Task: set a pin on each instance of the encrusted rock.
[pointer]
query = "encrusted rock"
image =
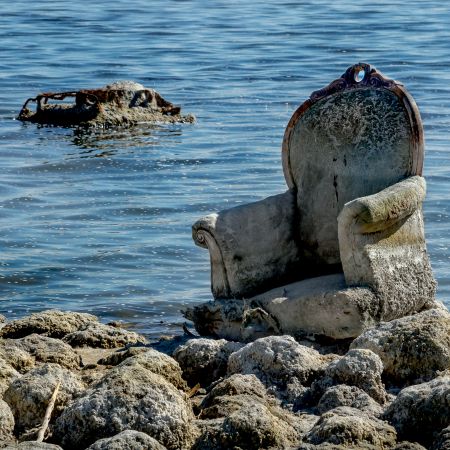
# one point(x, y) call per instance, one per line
point(238, 413)
point(277, 361)
point(406, 445)
point(253, 426)
point(236, 384)
point(360, 446)
point(343, 395)
point(256, 426)
point(127, 440)
point(327, 446)
point(46, 349)
point(349, 426)
point(98, 335)
point(6, 422)
point(421, 410)
point(158, 363)
point(29, 395)
point(117, 357)
point(225, 405)
point(442, 442)
point(413, 348)
point(361, 368)
point(204, 360)
point(231, 394)
point(52, 323)
point(31, 445)
point(127, 397)
point(209, 434)
point(140, 397)
point(7, 375)
point(18, 358)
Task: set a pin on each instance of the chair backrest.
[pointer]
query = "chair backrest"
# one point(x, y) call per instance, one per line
point(355, 137)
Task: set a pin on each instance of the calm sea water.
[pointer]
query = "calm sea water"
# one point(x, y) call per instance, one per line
point(99, 221)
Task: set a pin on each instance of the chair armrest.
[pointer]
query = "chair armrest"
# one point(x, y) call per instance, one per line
point(252, 247)
point(382, 245)
point(380, 211)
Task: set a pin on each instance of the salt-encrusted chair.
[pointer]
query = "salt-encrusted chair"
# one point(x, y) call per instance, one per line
point(344, 247)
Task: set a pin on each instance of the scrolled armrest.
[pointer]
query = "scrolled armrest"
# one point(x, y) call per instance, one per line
point(251, 246)
point(203, 228)
point(380, 211)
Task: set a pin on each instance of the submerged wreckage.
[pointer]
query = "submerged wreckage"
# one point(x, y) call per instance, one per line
point(120, 103)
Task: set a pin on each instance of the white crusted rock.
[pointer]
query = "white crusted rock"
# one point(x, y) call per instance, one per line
point(234, 385)
point(31, 445)
point(29, 395)
point(6, 422)
point(421, 410)
point(343, 395)
point(127, 440)
point(7, 375)
point(52, 323)
point(252, 426)
point(45, 349)
point(276, 361)
point(158, 363)
point(127, 397)
point(360, 446)
point(98, 335)
point(225, 405)
point(231, 394)
point(413, 349)
point(18, 358)
point(327, 446)
point(120, 355)
point(238, 413)
point(350, 427)
point(359, 367)
point(204, 360)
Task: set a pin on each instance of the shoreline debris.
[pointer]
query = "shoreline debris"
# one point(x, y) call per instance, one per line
point(119, 103)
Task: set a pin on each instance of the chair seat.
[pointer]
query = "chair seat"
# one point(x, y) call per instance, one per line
point(322, 305)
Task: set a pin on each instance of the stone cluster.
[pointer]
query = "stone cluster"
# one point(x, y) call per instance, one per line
point(388, 389)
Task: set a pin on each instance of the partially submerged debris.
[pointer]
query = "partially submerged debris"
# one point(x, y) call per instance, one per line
point(119, 103)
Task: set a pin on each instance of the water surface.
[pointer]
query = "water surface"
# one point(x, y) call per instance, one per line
point(99, 221)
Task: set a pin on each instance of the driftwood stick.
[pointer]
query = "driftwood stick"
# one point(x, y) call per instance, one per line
point(187, 332)
point(193, 391)
point(48, 413)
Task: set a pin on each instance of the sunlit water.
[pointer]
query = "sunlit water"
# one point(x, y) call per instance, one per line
point(100, 221)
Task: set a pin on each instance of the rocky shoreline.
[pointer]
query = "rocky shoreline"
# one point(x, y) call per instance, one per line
point(387, 389)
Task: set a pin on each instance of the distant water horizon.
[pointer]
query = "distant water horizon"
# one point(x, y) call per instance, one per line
point(100, 221)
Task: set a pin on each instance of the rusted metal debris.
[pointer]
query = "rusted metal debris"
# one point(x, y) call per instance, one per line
point(120, 103)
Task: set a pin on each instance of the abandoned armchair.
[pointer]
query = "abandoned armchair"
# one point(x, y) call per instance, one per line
point(344, 247)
